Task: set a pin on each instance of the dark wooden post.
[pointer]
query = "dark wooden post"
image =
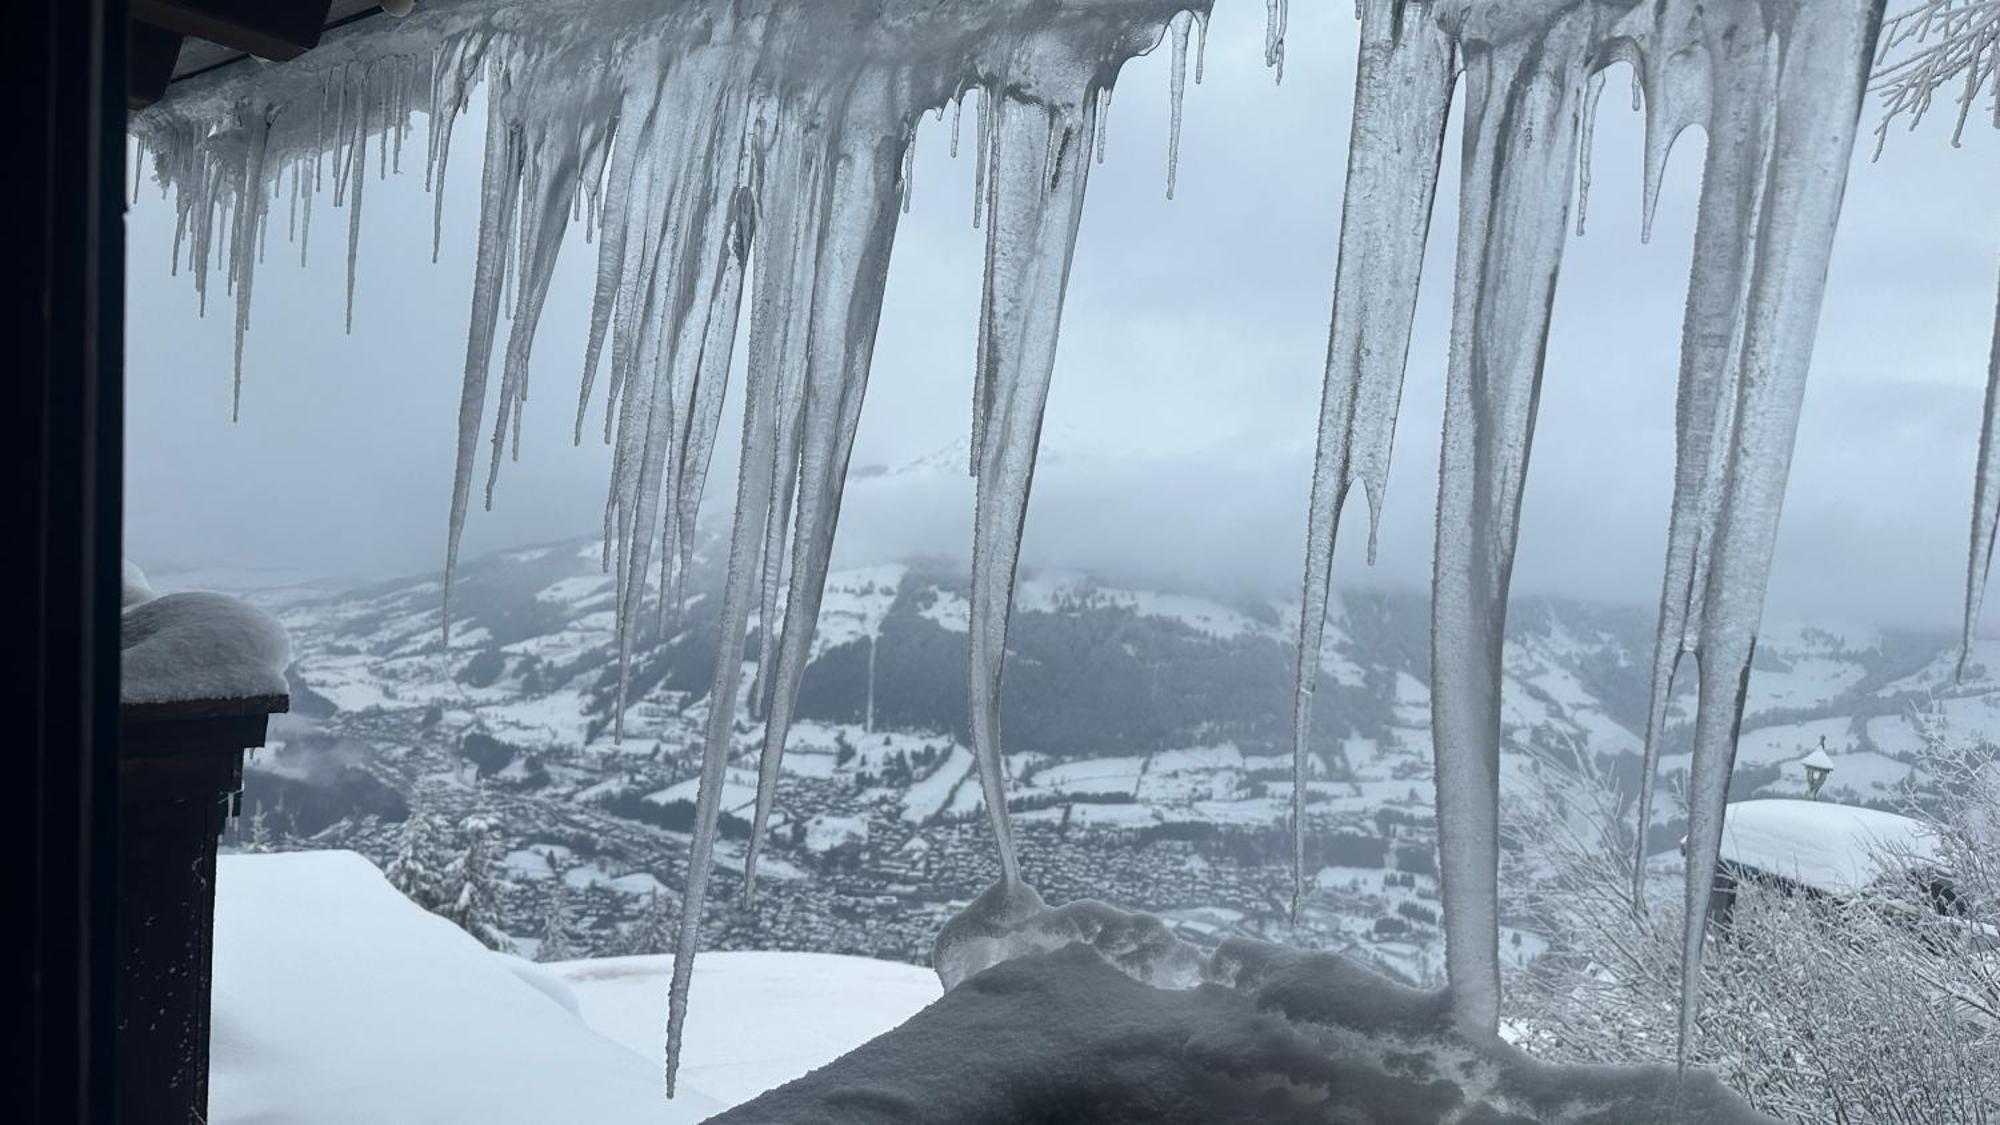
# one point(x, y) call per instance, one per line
point(180, 768)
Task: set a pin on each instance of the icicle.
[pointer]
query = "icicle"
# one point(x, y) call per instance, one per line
point(1402, 98)
point(1522, 101)
point(711, 387)
point(860, 208)
point(835, 384)
point(1179, 29)
point(1985, 505)
point(1030, 244)
point(357, 176)
point(984, 165)
point(1593, 89)
point(779, 325)
point(1101, 128)
point(498, 190)
point(1675, 71)
point(251, 211)
point(611, 246)
point(1201, 44)
point(1820, 69)
point(1733, 188)
point(1277, 14)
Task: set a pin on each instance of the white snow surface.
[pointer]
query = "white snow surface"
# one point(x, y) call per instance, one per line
point(1839, 849)
point(183, 647)
point(339, 1002)
point(759, 1020)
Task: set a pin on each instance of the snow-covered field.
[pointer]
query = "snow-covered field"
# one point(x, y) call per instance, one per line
point(338, 1002)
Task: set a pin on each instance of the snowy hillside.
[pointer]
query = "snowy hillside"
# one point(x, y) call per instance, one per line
point(337, 1001)
point(1149, 731)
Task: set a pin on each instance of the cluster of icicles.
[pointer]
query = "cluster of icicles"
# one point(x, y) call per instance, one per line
point(759, 152)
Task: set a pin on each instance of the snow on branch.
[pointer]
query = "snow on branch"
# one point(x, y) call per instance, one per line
point(1936, 45)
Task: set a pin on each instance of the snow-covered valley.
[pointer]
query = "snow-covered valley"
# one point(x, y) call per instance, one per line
point(1149, 732)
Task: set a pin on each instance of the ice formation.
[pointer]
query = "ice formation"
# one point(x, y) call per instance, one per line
point(708, 149)
point(1777, 86)
point(717, 146)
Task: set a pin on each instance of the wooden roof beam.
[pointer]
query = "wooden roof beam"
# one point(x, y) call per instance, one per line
point(151, 54)
point(268, 29)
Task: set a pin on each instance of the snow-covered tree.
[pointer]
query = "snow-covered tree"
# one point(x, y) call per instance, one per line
point(558, 929)
point(473, 882)
point(257, 836)
point(652, 932)
point(422, 856)
point(1873, 1007)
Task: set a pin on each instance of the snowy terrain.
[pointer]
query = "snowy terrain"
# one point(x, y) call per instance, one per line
point(338, 1002)
point(1150, 765)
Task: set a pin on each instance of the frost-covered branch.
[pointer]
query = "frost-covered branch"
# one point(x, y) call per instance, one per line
point(1938, 46)
point(1877, 1007)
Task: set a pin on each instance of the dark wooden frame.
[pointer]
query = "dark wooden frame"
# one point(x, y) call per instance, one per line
point(65, 89)
point(180, 777)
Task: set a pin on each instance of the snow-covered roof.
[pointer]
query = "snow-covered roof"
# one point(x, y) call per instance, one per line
point(1834, 848)
point(1818, 759)
point(181, 648)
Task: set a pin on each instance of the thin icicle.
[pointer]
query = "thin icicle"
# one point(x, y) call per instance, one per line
point(1392, 164)
point(356, 178)
point(1179, 29)
point(1592, 90)
point(1201, 18)
point(498, 190)
point(1277, 21)
point(243, 269)
point(1985, 505)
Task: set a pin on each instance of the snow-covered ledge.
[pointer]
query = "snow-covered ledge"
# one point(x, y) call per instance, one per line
point(200, 676)
point(1088, 1013)
point(198, 652)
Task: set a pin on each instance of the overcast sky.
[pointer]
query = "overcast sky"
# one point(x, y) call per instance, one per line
point(1186, 395)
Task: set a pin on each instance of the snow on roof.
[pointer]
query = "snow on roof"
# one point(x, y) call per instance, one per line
point(1818, 759)
point(1834, 848)
point(184, 647)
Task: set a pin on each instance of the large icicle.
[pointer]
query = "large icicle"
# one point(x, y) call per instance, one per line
point(1821, 68)
point(786, 265)
point(1524, 89)
point(1736, 101)
point(1393, 161)
point(859, 209)
point(1034, 208)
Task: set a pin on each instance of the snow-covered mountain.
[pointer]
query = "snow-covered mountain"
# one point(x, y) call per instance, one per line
point(1148, 732)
